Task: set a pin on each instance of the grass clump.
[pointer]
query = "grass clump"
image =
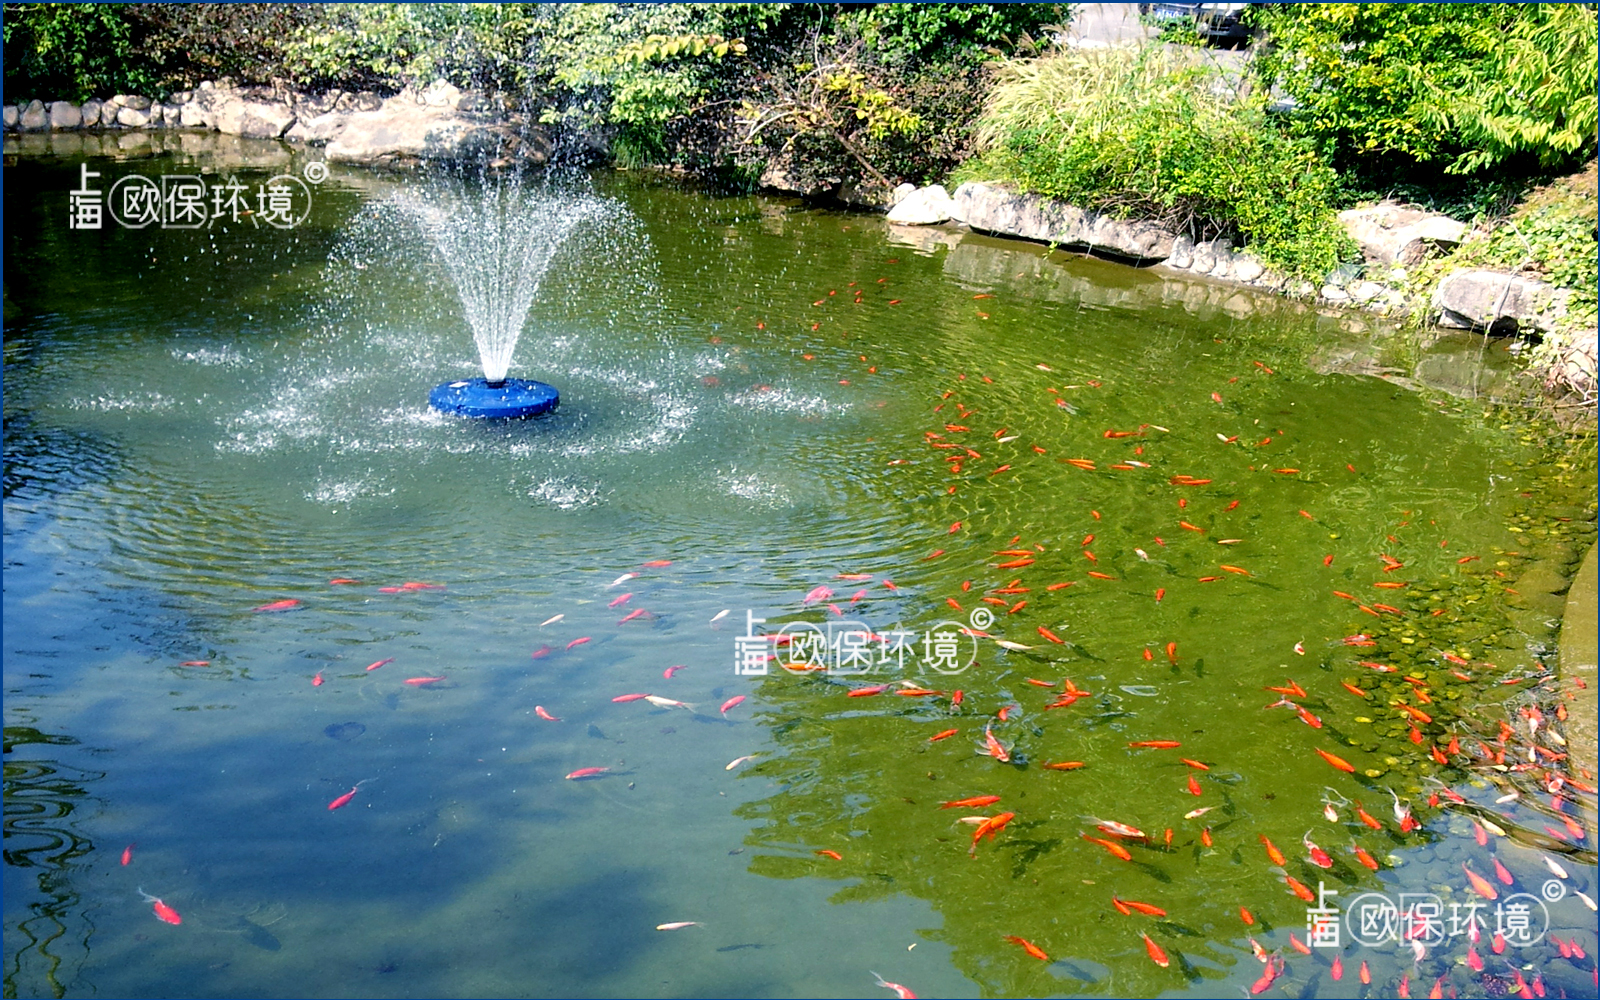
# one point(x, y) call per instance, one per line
point(1149, 134)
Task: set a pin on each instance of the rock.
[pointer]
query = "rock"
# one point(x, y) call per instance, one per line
point(157, 116)
point(1335, 294)
point(64, 114)
point(1203, 260)
point(237, 113)
point(172, 115)
point(1246, 269)
point(1392, 234)
point(1472, 299)
point(1218, 252)
point(398, 128)
point(33, 117)
point(1182, 252)
point(182, 97)
point(441, 94)
point(132, 117)
point(995, 209)
point(923, 207)
point(132, 101)
point(91, 113)
point(194, 115)
point(1365, 291)
point(900, 193)
point(11, 115)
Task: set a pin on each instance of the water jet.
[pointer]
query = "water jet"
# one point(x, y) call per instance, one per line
point(496, 243)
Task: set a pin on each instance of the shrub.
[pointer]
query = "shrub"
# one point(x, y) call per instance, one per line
point(1141, 132)
point(72, 51)
point(1458, 86)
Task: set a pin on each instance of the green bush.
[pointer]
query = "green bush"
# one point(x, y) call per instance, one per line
point(72, 52)
point(387, 46)
point(1458, 86)
point(1143, 133)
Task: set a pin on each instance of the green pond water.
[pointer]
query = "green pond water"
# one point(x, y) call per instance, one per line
point(200, 423)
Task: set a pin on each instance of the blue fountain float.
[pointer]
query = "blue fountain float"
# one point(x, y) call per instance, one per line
point(496, 243)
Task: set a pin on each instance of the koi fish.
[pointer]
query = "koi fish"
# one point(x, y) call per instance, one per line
point(678, 925)
point(1367, 860)
point(380, 663)
point(661, 702)
point(619, 600)
point(195, 663)
point(1272, 850)
point(1029, 947)
point(1117, 829)
point(656, 563)
point(1101, 576)
point(1051, 636)
point(636, 613)
point(975, 802)
point(1336, 761)
point(820, 593)
point(163, 912)
point(1298, 888)
point(587, 772)
point(735, 762)
point(1197, 813)
point(988, 828)
point(539, 710)
point(867, 692)
point(1155, 744)
point(1066, 765)
point(1156, 954)
point(730, 703)
point(127, 855)
point(1172, 652)
point(578, 641)
point(317, 681)
point(1015, 563)
point(1112, 846)
point(1145, 908)
point(624, 698)
point(1233, 569)
point(542, 652)
point(284, 605)
point(421, 681)
point(900, 991)
point(994, 747)
point(1318, 856)
point(1480, 885)
point(340, 581)
point(344, 800)
point(1194, 786)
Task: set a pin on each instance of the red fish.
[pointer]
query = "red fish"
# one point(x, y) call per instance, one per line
point(1318, 856)
point(657, 563)
point(539, 710)
point(630, 616)
point(1147, 909)
point(1272, 850)
point(936, 737)
point(278, 605)
point(1154, 950)
point(1366, 859)
point(1336, 761)
point(1194, 786)
point(422, 681)
point(865, 692)
point(163, 912)
point(835, 855)
point(578, 641)
point(587, 772)
point(1115, 848)
point(195, 663)
point(542, 652)
point(624, 698)
point(343, 800)
point(1051, 635)
point(127, 855)
point(619, 600)
point(380, 663)
point(730, 703)
point(1066, 765)
point(1029, 947)
point(317, 681)
point(340, 581)
point(1156, 744)
point(1480, 885)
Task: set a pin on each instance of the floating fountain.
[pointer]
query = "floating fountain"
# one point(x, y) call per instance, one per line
point(496, 242)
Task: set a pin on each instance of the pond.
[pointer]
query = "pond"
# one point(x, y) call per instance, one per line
point(344, 682)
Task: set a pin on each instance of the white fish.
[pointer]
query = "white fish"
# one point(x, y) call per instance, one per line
point(1555, 737)
point(1009, 437)
point(739, 760)
point(719, 616)
point(1044, 368)
point(551, 621)
point(1142, 554)
point(1160, 428)
point(1300, 647)
point(1508, 797)
point(1007, 644)
point(1229, 541)
point(1492, 827)
point(678, 925)
point(624, 578)
point(1197, 813)
point(661, 702)
point(1585, 897)
point(1555, 869)
point(1142, 465)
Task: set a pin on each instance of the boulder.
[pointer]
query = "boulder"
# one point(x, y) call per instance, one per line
point(133, 117)
point(195, 115)
point(1470, 299)
point(132, 101)
point(33, 117)
point(64, 114)
point(865, 195)
point(441, 94)
point(923, 207)
point(995, 209)
point(233, 113)
point(1246, 269)
point(11, 116)
point(1390, 233)
point(91, 113)
point(900, 193)
point(1182, 253)
point(398, 128)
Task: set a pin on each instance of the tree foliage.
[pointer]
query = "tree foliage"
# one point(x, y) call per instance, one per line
point(71, 51)
point(1458, 86)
